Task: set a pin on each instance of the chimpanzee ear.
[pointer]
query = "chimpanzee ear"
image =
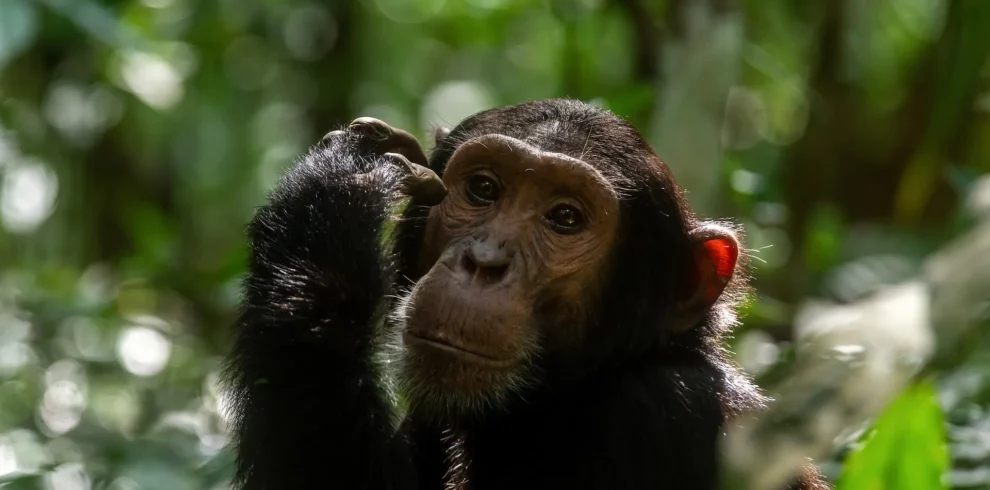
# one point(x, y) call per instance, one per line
point(715, 251)
point(439, 135)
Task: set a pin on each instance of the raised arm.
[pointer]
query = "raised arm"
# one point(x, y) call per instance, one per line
point(307, 406)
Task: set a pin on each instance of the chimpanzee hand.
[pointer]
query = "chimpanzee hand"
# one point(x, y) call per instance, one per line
point(317, 272)
point(377, 138)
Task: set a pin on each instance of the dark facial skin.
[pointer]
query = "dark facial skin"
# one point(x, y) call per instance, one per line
point(520, 227)
point(518, 224)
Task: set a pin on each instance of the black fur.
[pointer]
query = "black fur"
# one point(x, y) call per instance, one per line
point(638, 408)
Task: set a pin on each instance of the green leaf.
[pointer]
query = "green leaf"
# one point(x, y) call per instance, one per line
point(905, 450)
point(18, 26)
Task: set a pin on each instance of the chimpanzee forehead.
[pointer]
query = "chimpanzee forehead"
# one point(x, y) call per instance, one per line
point(577, 133)
point(560, 137)
point(569, 127)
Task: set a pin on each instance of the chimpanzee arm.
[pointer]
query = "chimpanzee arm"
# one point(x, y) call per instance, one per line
point(308, 407)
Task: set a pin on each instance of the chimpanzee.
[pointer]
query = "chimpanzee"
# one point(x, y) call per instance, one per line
point(549, 315)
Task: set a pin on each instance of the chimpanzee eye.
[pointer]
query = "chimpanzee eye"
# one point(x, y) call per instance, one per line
point(482, 190)
point(565, 219)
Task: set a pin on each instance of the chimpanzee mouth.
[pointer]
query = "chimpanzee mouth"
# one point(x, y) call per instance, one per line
point(468, 355)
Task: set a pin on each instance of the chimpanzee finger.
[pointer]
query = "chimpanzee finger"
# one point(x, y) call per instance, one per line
point(419, 183)
point(325, 140)
point(379, 137)
point(371, 128)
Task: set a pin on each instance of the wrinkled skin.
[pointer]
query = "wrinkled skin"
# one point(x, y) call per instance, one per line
point(470, 323)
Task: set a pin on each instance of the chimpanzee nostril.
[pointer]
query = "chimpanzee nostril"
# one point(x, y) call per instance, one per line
point(492, 274)
point(485, 263)
point(469, 265)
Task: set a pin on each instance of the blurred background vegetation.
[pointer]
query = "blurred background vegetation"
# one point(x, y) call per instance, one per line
point(851, 138)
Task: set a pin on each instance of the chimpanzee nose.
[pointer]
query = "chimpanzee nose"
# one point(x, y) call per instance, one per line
point(486, 262)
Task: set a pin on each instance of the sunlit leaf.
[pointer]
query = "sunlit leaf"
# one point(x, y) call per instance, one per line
point(905, 450)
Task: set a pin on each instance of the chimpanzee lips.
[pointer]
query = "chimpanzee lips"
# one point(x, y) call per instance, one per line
point(458, 351)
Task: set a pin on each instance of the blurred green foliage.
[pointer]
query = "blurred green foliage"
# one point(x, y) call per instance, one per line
point(137, 136)
point(905, 449)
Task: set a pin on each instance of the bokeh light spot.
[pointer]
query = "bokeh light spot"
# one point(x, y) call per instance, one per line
point(28, 196)
point(80, 113)
point(152, 79)
point(14, 356)
point(116, 407)
point(64, 399)
point(143, 351)
point(756, 352)
point(309, 32)
point(450, 102)
point(21, 451)
point(69, 476)
point(8, 460)
point(746, 182)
